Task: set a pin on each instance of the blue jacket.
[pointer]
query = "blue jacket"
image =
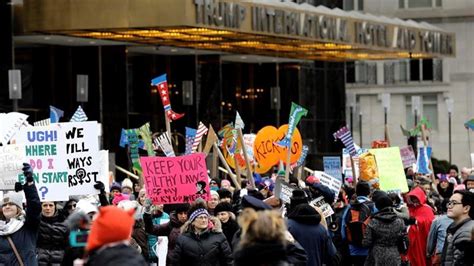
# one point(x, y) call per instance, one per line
point(355, 250)
point(152, 239)
point(437, 235)
point(304, 225)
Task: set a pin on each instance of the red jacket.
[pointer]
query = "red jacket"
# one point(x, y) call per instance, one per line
point(418, 233)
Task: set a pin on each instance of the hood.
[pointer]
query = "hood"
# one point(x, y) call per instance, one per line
point(386, 215)
point(419, 194)
point(217, 228)
point(305, 214)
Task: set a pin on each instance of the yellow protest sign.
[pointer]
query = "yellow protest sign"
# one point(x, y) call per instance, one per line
point(390, 168)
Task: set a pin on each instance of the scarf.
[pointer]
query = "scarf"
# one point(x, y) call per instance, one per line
point(12, 226)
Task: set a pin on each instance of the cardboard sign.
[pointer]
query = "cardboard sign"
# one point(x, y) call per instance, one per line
point(81, 144)
point(390, 168)
point(11, 123)
point(176, 179)
point(47, 157)
point(334, 184)
point(283, 190)
point(323, 206)
point(12, 158)
point(332, 166)
point(347, 166)
point(408, 156)
point(268, 153)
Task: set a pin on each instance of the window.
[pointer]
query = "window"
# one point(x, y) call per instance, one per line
point(365, 73)
point(427, 69)
point(353, 4)
point(437, 70)
point(395, 72)
point(389, 72)
point(419, 3)
point(429, 109)
point(414, 70)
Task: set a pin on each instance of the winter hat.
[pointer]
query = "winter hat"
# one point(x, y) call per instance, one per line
point(196, 213)
point(362, 189)
point(254, 203)
point(141, 193)
point(223, 207)
point(214, 193)
point(119, 197)
point(116, 185)
point(311, 180)
point(442, 177)
point(225, 182)
point(86, 206)
point(383, 201)
point(298, 196)
point(127, 183)
point(183, 207)
point(224, 193)
point(305, 214)
point(15, 198)
point(112, 225)
point(377, 194)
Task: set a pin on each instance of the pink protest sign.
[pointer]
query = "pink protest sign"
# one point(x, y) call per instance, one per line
point(408, 156)
point(176, 179)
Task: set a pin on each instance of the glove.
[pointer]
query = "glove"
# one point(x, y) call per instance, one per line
point(100, 186)
point(28, 172)
point(18, 187)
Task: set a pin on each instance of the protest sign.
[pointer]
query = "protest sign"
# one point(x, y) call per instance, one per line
point(390, 168)
point(44, 153)
point(283, 190)
point(12, 158)
point(472, 160)
point(268, 153)
point(81, 144)
point(334, 184)
point(408, 156)
point(323, 206)
point(332, 166)
point(11, 123)
point(176, 179)
point(347, 165)
point(104, 176)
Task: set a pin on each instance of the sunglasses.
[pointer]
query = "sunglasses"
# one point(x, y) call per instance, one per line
point(69, 207)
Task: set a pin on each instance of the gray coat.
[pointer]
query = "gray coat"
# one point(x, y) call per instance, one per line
point(456, 235)
point(380, 237)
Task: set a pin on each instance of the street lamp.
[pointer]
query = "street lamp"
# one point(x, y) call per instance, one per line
point(415, 107)
point(450, 107)
point(82, 86)
point(14, 87)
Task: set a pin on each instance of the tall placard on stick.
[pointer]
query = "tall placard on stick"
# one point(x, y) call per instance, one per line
point(176, 179)
point(390, 168)
point(332, 166)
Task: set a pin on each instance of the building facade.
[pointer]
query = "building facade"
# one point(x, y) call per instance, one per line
point(437, 81)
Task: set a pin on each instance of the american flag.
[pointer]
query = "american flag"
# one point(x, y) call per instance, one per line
point(190, 134)
point(201, 131)
point(345, 136)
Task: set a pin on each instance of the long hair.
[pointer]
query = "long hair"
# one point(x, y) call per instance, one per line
point(263, 226)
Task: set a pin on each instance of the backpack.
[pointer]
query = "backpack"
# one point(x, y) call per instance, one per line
point(357, 219)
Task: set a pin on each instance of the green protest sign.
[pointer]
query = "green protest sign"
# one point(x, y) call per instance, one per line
point(390, 168)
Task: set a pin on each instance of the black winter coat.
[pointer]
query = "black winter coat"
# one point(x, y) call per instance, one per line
point(116, 255)
point(25, 238)
point(262, 254)
point(52, 240)
point(208, 249)
point(229, 229)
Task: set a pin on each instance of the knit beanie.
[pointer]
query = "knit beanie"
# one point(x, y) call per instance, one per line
point(196, 213)
point(111, 225)
point(119, 197)
point(127, 183)
point(116, 185)
point(383, 201)
point(15, 198)
point(362, 189)
point(225, 182)
point(223, 207)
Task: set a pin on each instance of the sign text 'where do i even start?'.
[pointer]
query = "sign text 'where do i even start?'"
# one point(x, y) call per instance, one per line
point(176, 179)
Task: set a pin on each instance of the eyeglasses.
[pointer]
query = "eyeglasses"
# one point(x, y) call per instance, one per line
point(71, 206)
point(452, 203)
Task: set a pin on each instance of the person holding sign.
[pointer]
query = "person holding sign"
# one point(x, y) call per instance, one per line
point(202, 241)
point(19, 230)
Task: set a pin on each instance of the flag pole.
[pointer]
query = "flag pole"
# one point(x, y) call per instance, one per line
point(168, 125)
point(354, 176)
point(247, 160)
point(226, 165)
point(237, 169)
point(214, 163)
point(288, 159)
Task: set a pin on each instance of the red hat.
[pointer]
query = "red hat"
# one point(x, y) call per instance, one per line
point(312, 179)
point(112, 225)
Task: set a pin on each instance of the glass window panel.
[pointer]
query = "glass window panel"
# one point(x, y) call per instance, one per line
point(419, 3)
point(372, 74)
point(361, 5)
point(401, 3)
point(348, 4)
point(438, 3)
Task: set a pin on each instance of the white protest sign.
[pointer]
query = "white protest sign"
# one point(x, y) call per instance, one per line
point(104, 168)
point(10, 125)
point(249, 140)
point(81, 146)
point(333, 183)
point(12, 158)
point(347, 166)
point(323, 206)
point(472, 160)
point(43, 152)
point(283, 190)
point(162, 250)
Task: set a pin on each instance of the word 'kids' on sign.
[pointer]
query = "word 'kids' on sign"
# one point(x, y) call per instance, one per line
point(176, 179)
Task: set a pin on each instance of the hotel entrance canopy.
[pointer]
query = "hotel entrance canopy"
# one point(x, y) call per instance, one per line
point(261, 27)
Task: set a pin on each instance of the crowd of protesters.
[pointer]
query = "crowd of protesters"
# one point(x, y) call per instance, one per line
point(432, 224)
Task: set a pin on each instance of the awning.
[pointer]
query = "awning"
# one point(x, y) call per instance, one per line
point(262, 27)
